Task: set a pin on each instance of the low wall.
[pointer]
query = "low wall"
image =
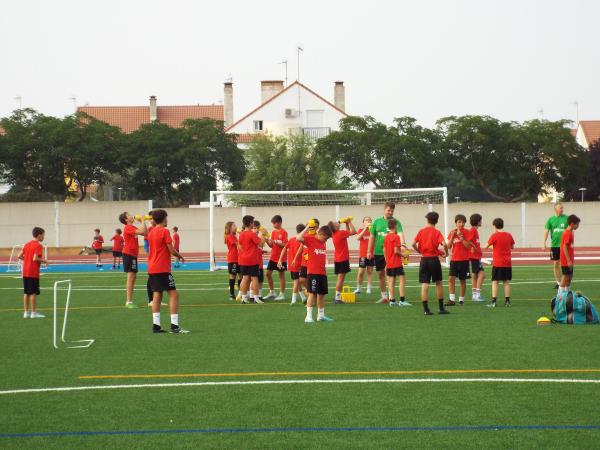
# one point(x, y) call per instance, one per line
point(72, 224)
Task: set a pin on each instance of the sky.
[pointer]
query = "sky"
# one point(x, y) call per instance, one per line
point(422, 58)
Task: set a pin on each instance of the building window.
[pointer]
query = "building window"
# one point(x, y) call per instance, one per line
point(258, 125)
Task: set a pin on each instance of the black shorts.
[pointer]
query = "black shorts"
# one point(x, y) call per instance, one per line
point(117, 254)
point(261, 275)
point(251, 271)
point(555, 254)
point(294, 275)
point(272, 266)
point(566, 270)
point(160, 282)
point(476, 266)
point(130, 263)
point(395, 272)
point(379, 263)
point(430, 270)
point(317, 284)
point(233, 268)
point(341, 267)
point(459, 269)
point(31, 286)
point(98, 251)
point(364, 262)
point(501, 273)
point(303, 272)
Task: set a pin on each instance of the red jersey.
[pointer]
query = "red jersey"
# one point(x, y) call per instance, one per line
point(132, 246)
point(304, 262)
point(459, 251)
point(503, 243)
point(568, 239)
point(259, 256)
point(340, 243)
point(429, 240)
point(31, 268)
point(364, 243)
point(232, 249)
point(97, 242)
point(474, 238)
point(391, 242)
point(292, 249)
point(316, 255)
point(118, 243)
point(159, 257)
point(282, 237)
point(176, 240)
point(248, 241)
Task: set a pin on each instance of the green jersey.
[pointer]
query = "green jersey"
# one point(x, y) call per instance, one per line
point(556, 225)
point(379, 229)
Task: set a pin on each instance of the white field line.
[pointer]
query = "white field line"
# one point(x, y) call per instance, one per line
point(309, 381)
point(223, 286)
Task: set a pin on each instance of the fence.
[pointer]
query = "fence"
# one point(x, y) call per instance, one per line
point(71, 225)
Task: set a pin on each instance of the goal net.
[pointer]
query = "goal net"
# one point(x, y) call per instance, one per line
point(299, 206)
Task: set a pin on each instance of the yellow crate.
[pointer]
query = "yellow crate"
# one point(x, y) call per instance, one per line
point(347, 295)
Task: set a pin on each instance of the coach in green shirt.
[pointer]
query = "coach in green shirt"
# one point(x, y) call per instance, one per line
point(555, 227)
point(379, 229)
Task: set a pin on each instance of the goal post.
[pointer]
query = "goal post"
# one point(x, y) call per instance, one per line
point(298, 206)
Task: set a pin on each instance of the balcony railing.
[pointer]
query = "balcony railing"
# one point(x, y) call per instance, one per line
point(316, 132)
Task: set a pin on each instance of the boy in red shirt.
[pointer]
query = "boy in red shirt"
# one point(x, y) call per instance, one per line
point(427, 242)
point(130, 253)
point(459, 243)
point(248, 259)
point(32, 258)
point(293, 250)
point(364, 264)
point(567, 253)
point(503, 243)
point(279, 237)
point(477, 271)
point(256, 228)
point(341, 257)
point(160, 278)
point(317, 274)
point(313, 226)
point(117, 249)
point(97, 246)
point(392, 250)
point(232, 257)
point(176, 241)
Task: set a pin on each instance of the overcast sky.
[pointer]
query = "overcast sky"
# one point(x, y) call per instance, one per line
point(421, 58)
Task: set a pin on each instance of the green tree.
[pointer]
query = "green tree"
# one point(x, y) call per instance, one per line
point(588, 178)
point(292, 160)
point(366, 151)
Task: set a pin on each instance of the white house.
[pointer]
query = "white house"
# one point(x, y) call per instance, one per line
point(287, 110)
point(587, 132)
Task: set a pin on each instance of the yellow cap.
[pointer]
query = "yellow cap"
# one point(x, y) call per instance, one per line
point(543, 321)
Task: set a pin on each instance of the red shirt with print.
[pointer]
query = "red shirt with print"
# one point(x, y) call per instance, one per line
point(281, 236)
point(159, 257)
point(316, 255)
point(97, 242)
point(459, 251)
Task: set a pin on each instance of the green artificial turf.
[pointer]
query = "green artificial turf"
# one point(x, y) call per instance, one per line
point(261, 342)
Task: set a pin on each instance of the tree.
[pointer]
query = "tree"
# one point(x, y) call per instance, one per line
point(292, 160)
point(369, 152)
point(588, 178)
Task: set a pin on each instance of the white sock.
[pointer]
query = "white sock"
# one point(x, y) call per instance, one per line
point(271, 292)
point(461, 299)
point(294, 296)
point(338, 295)
point(156, 318)
point(452, 297)
point(309, 312)
point(302, 296)
point(244, 297)
point(320, 313)
point(369, 286)
point(175, 319)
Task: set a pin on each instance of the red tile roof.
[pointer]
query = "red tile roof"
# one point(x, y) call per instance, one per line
point(280, 93)
point(591, 130)
point(246, 138)
point(130, 118)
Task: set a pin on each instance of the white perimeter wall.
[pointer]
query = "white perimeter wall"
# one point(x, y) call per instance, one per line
point(77, 220)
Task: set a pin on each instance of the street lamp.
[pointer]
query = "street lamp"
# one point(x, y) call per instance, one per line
point(457, 199)
point(281, 184)
point(120, 189)
point(582, 193)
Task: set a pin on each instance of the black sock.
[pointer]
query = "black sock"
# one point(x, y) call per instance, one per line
point(425, 306)
point(441, 303)
point(401, 299)
point(239, 282)
point(494, 299)
point(232, 287)
point(149, 291)
point(392, 300)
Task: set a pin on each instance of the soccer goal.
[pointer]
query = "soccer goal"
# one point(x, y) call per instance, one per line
point(14, 263)
point(64, 285)
point(299, 206)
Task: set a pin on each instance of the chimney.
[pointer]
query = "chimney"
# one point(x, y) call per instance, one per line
point(228, 104)
point(268, 89)
point(153, 110)
point(339, 95)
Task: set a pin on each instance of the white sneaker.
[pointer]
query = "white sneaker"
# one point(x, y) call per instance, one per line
point(26, 315)
point(383, 300)
point(404, 304)
point(479, 299)
point(293, 302)
point(309, 320)
point(258, 300)
point(280, 297)
point(369, 290)
point(357, 291)
point(269, 296)
point(37, 315)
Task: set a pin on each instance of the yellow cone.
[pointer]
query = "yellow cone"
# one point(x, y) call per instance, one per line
point(543, 321)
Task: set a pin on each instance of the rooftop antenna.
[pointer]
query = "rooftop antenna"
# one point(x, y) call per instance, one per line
point(73, 98)
point(285, 62)
point(299, 48)
point(229, 78)
point(19, 100)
